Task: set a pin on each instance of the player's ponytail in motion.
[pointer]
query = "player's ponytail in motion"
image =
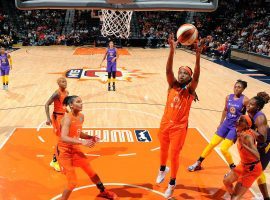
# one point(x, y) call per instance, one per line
point(69, 100)
point(262, 98)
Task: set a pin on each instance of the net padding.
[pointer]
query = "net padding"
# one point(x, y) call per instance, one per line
point(116, 22)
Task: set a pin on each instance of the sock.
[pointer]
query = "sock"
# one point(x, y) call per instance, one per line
point(200, 159)
point(54, 158)
point(162, 168)
point(172, 181)
point(100, 186)
point(6, 79)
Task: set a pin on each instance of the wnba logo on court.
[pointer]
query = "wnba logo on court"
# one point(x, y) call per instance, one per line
point(120, 135)
point(143, 136)
point(101, 75)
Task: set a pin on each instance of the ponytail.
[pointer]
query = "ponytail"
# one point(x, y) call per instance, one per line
point(69, 100)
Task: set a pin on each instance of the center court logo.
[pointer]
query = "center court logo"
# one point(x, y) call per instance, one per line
point(123, 135)
point(101, 75)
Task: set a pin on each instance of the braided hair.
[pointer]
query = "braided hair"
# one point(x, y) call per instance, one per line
point(262, 98)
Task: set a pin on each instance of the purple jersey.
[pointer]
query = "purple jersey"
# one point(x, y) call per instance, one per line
point(4, 60)
point(234, 109)
point(255, 128)
point(263, 147)
point(111, 53)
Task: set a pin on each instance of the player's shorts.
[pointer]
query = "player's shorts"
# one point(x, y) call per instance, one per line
point(247, 174)
point(111, 67)
point(173, 134)
point(69, 157)
point(227, 131)
point(4, 70)
point(265, 155)
point(56, 122)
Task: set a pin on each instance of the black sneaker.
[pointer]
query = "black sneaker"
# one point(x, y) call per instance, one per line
point(232, 166)
point(109, 88)
point(113, 87)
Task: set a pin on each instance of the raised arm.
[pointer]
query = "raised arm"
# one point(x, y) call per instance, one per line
point(197, 70)
point(47, 107)
point(169, 67)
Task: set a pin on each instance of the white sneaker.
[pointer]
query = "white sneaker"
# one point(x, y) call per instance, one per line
point(161, 175)
point(169, 191)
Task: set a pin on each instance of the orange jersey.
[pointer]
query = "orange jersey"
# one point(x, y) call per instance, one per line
point(75, 129)
point(245, 155)
point(178, 105)
point(58, 102)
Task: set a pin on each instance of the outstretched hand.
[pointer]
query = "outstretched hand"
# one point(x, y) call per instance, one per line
point(199, 45)
point(88, 143)
point(95, 139)
point(172, 42)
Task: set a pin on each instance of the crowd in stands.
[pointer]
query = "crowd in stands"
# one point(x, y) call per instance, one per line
point(158, 25)
point(40, 27)
point(240, 25)
point(236, 23)
point(5, 31)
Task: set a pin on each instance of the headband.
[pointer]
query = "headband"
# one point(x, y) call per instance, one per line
point(188, 70)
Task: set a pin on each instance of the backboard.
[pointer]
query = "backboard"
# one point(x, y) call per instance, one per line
point(134, 5)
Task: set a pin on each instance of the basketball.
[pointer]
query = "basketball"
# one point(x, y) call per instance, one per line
point(187, 34)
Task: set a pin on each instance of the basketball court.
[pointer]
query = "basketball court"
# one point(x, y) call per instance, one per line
point(127, 120)
point(126, 165)
point(124, 160)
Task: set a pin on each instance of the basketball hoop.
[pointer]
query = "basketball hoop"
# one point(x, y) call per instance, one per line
point(116, 22)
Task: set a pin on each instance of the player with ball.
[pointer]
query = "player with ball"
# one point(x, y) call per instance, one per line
point(181, 93)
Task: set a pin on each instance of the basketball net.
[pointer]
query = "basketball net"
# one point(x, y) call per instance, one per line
point(116, 23)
